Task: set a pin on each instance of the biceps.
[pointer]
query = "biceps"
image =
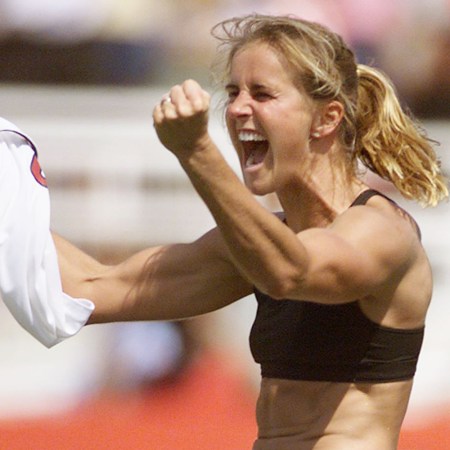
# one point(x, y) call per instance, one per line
point(339, 271)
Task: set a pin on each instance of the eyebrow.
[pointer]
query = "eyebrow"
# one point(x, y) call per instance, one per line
point(254, 87)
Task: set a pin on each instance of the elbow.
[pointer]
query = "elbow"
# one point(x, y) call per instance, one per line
point(283, 285)
point(282, 291)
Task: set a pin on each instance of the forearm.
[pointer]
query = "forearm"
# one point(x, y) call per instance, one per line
point(108, 287)
point(77, 268)
point(267, 253)
point(160, 283)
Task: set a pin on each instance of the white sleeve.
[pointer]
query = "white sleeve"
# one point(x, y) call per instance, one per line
point(30, 282)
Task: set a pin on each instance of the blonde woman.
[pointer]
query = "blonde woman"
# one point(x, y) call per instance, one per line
point(341, 278)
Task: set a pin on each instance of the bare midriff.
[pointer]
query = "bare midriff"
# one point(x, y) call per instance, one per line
point(307, 415)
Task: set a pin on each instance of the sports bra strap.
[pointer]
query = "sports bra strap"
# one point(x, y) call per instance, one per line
point(369, 193)
point(366, 195)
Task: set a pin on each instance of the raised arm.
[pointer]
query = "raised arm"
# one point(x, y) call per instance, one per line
point(160, 283)
point(368, 252)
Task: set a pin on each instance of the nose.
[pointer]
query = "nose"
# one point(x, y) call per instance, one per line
point(239, 106)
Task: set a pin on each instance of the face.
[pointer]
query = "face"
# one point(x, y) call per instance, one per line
point(269, 119)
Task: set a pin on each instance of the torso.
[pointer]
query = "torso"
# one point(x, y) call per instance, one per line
point(347, 415)
point(306, 415)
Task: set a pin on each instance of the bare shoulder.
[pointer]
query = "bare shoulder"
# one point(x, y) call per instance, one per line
point(392, 237)
point(369, 251)
point(383, 225)
point(379, 232)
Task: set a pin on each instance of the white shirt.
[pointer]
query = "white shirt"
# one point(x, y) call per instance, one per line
point(30, 281)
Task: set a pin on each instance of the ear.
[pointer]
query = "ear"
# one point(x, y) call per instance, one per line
point(327, 119)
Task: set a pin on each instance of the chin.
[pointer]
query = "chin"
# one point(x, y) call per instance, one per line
point(259, 189)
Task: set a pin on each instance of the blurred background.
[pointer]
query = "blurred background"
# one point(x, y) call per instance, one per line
point(81, 78)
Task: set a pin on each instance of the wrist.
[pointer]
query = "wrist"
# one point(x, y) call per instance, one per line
point(201, 151)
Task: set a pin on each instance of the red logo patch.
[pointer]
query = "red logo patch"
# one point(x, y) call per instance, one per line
point(37, 172)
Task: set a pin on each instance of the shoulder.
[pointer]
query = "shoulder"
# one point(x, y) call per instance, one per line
point(378, 215)
point(366, 250)
point(382, 226)
point(389, 234)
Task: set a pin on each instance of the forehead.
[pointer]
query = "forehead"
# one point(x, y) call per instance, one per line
point(259, 59)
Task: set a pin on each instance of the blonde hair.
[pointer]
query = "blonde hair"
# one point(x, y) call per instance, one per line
point(375, 129)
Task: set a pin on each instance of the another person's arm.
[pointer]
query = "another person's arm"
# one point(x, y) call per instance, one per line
point(30, 283)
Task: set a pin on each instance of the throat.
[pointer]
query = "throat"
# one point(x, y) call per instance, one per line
point(255, 153)
point(306, 209)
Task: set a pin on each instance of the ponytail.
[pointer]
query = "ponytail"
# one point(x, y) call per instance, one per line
point(392, 145)
point(375, 130)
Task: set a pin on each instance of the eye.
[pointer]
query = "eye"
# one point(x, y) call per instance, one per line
point(232, 92)
point(262, 96)
point(232, 95)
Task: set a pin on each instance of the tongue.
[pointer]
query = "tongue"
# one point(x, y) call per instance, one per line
point(257, 154)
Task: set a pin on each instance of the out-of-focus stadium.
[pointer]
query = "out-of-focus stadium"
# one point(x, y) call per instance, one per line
point(81, 78)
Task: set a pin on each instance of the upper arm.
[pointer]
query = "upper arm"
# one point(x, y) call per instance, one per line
point(169, 282)
point(365, 252)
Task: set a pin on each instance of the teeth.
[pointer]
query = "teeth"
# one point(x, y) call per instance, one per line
point(250, 136)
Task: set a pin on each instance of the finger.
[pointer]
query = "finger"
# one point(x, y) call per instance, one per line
point(166, 108)
point(160, 108)
point(196, 95)
point(166, 103)
point(166, 98)
point(177, 95)
point(179, 103)
point(158, 115)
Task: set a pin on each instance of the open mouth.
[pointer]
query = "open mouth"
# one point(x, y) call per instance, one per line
point(255, 147)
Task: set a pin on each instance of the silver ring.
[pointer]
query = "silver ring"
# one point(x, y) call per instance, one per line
point(166, 99)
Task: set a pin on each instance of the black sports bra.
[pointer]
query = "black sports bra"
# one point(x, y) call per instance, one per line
point(302, 340)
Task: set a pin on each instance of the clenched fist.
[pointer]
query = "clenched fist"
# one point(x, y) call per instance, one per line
point(181, 119)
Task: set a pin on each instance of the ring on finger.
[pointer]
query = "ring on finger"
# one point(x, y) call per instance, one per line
point(166, 99)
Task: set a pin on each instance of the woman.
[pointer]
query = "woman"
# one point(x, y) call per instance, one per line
point(341, 278)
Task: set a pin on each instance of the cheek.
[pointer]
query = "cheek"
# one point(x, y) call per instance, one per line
point(231, 126)
point(293, 129)
point(234, 141)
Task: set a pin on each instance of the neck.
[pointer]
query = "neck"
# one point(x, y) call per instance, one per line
point(317, 200)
